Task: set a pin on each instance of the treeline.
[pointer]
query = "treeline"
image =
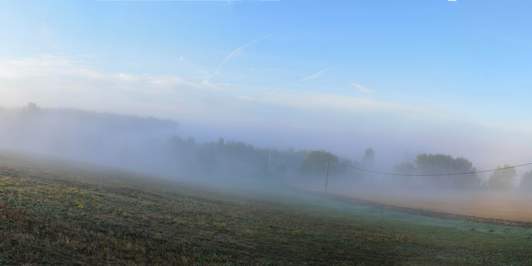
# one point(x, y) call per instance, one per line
point(154, 146)
point(237, 159)
point(445, 171)
point(438, 170)
point(226, 159)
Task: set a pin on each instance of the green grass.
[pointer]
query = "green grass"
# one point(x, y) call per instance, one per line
point(56, 214)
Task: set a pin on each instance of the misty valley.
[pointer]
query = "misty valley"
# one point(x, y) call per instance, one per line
point(265, 132)
point(150, 195)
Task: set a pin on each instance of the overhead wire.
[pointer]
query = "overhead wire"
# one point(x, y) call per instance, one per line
point(474, 172)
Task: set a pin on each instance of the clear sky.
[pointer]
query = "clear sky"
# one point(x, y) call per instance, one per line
point(436, 68)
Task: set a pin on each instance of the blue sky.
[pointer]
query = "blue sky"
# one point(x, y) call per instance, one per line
point(427, 63)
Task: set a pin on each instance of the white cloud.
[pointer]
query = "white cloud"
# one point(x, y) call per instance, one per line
point(64, 82)
point(334, 102)
point(61, 81)
point(361, 89)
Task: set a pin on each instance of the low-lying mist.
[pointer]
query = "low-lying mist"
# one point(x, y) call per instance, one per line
point(159, 148)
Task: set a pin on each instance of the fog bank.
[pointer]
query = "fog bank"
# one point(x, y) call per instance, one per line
point(163, 148)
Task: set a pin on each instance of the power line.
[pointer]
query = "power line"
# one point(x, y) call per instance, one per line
point(441, 174)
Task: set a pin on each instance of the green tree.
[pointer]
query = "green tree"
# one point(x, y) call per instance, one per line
point(526, 181)
point(502, 178)
point(446, 171)
point(368, 160)
point(316, 163)
point(406, 168)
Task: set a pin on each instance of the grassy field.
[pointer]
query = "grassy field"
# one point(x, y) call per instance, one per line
point(56, 214)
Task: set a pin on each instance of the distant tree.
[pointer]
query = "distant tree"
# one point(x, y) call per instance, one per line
point(526, 181)
point(346, 167)
point(32, 107)
point(317, 162)
point(191, 140)
point(223, 158)
point(441, 163)
point(502, 178)
point(461, 173)
point(406, 168)
point(368, 160)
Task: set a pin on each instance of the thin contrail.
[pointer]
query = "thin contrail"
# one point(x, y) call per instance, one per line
point(315, 75)
point(236, 52)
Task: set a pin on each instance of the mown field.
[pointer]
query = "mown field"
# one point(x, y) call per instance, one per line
point(54, 214)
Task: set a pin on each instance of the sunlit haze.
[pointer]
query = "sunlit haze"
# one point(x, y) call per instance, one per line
point(265, 132)
point(401, 77)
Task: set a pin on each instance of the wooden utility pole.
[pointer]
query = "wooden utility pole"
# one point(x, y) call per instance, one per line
point(327, 175)
point(269, 161)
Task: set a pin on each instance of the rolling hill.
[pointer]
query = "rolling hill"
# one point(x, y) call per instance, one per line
point(54, 213)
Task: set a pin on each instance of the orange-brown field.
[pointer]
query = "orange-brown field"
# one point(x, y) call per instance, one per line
point(507, 206)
